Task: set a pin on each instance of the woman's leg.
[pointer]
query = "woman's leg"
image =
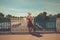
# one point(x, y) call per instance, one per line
point(29, 29)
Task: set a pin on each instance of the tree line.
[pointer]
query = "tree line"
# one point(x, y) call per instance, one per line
point(43, 14)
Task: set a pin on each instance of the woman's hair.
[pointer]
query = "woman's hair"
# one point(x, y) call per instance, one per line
point(29, 13)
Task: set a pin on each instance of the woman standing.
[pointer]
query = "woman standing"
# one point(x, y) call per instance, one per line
point(30, 24)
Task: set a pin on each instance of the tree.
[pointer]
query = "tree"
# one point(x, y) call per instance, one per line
point(50, 15)
point(58, 15)
point(1, 15)
point(40, 15)
point(44, 14)
point(8, 16)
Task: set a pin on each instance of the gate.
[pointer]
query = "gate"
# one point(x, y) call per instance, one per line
point(45, 24)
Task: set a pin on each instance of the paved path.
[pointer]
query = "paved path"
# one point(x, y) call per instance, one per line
point(30, 37)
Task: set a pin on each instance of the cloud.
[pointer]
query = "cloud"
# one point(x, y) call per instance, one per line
point(21, 7)
point(32, 4)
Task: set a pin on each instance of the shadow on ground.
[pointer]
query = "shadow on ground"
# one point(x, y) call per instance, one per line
point(36, 34)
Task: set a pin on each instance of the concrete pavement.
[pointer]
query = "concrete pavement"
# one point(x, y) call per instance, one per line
point(53, 36)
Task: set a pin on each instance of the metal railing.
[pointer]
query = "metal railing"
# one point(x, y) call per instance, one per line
point(20, 25)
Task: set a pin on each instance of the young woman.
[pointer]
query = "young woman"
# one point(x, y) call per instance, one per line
point(30, 23)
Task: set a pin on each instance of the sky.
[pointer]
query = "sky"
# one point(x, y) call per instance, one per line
point(22, 7)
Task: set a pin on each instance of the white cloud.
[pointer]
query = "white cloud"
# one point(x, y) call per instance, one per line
point(21, 7)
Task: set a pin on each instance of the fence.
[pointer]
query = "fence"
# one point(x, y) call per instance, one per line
point(58, 24)
point(20, 24)
point(5, 25)
point(45, 24)
point(51, 23)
